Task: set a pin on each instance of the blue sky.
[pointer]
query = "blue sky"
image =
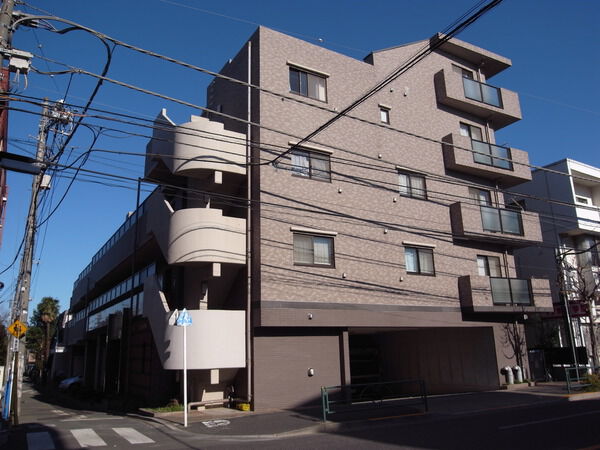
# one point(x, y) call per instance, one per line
point(552, 44)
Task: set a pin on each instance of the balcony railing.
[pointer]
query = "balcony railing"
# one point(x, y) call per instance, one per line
point(491, 155)
point(498, 220)
point(482, 92)
point(511, 291)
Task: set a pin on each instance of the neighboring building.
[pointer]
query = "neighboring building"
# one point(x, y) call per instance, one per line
point(566, 194)
point(367, 254)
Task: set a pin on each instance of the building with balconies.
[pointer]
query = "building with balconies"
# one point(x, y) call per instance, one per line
point(379, 249)
point(567, 195)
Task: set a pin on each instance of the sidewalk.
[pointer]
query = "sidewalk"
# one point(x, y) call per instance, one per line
point(230, 422)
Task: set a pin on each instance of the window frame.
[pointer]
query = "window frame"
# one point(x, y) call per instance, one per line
point(409, 176)
point(420, 250)
point(469, 129)
point(384, 114)
point(307, 74)
point(478, 200)
point(328, 237)
point(486, 259)
point(310, 153)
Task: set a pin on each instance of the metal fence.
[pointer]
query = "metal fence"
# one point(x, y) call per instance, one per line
point(356, 397)
point(576, 377)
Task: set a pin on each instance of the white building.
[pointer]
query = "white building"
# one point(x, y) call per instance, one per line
point(566, 194)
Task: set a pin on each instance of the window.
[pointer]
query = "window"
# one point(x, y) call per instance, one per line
point(466, 74)
point(582, 200)
point(419, 260)
point(311, 164)
point(587, 250)
point(308, 84)
point(471, 131)
point(384, 114)
point(463, 72)
point(489, 266)
point(313, 250)
point(412, 185)
point(480, 196)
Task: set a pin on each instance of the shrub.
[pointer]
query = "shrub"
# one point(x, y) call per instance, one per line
point(593, 380)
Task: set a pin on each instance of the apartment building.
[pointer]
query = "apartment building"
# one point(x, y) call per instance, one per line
point(380, 249)
point(569, 256)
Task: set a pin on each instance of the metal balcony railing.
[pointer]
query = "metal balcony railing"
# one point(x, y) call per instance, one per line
point(511, 291)
point(482, 92)
point(499, 220)
point(491, 155)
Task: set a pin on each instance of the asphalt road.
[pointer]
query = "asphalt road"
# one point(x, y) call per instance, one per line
point(549, 425)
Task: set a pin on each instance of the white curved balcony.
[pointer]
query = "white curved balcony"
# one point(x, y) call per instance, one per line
point(215, 340)
point(199, 235)
point(195, 148)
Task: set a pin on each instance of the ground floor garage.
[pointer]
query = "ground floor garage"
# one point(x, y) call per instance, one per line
point(291, 364)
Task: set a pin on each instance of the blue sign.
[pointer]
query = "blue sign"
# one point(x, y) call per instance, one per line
point(184, 319)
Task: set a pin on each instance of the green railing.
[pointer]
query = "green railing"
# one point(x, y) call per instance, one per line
point(355, 397)
point(576, 377)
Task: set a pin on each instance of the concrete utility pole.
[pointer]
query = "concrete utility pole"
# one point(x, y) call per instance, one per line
point(23, 286)
point(5, 39)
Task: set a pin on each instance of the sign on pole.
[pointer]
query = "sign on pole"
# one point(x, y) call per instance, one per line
point(17, 329)
point(184, 319)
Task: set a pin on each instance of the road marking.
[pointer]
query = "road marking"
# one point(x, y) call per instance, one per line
point(40, 441)
point(554, 419)
point(84, 419)
point(86, 437)
point(133, 436)
point(216, 423)
point(59, 412)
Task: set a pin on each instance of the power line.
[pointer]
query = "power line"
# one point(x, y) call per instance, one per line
point(343, 161)
point(249, 22)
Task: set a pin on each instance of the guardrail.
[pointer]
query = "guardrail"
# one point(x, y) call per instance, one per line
point(354, 397)
point(576, 377)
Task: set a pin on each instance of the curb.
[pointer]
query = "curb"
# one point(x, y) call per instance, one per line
point(583, 396)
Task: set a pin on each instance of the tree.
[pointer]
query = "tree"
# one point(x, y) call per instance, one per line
point(42, 326)
point(515, 339)
point(3, 343)
point(580, 283)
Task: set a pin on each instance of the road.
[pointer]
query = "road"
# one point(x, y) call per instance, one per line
point(549, 425)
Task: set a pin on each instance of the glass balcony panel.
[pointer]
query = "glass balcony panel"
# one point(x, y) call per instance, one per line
point(520, 291)
point(483, 152)
point(472, 89)
point(491, 219)
point(500, 290)
point(501, 152)
point(511, 221)
point(491, 95)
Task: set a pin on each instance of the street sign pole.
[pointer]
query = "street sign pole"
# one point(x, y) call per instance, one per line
point(185, 402)
point(184, 320)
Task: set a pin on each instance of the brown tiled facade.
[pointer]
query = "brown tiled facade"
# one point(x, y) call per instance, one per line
point(369, 292)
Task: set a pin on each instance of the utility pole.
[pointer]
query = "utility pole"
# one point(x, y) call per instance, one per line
point(6, 12)
point(5, 40)
point(21, 300)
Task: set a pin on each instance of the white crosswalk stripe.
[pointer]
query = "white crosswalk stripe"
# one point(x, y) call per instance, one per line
point(86, 437)
point(40, 440)
point(133, 436)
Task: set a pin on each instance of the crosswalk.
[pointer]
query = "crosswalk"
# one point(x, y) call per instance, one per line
point(86, 437)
